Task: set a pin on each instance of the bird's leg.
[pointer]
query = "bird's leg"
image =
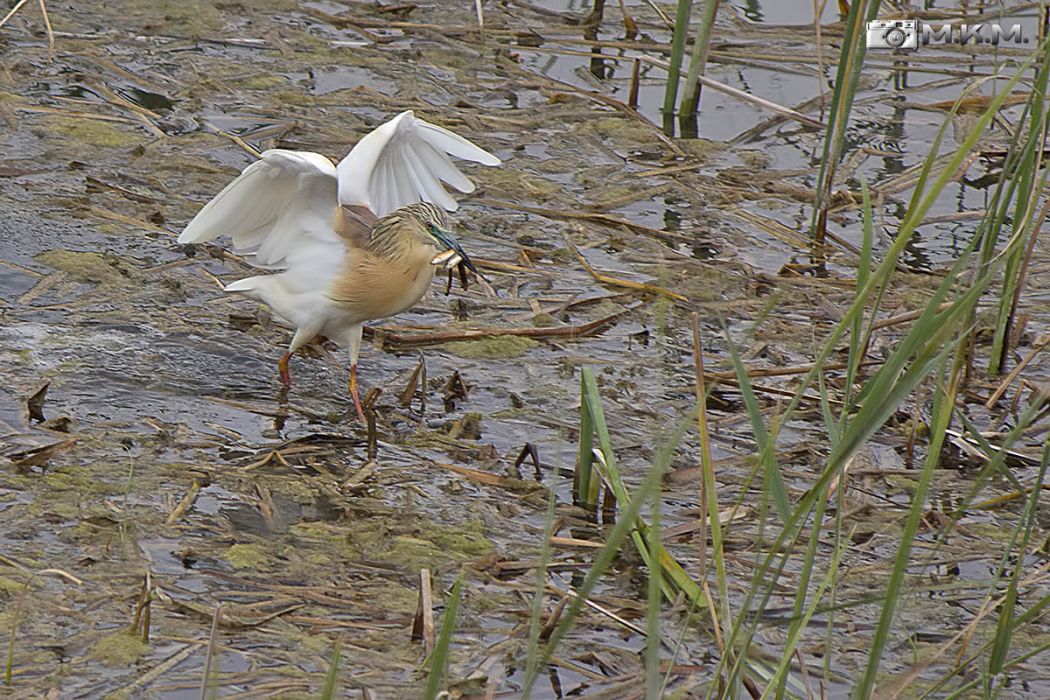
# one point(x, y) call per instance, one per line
point(282, 365)
point(354, 394)
point(354, 341)
point(302, 337)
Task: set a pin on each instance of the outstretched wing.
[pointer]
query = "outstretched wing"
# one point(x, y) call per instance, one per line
point(404, 161)
point(281, 210)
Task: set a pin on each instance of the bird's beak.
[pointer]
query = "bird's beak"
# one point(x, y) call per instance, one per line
point(454, 253)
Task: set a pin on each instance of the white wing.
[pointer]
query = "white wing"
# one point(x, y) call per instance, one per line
point(404, 161)
point(281, 211)
point(282, 203)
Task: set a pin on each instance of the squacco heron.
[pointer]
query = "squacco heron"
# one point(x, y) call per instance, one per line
point(357, 241)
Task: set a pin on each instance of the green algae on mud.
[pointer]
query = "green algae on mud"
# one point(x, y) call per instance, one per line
point(261, 81)
point(78, 132)
point(119, 650)
point(492, 347)
point(509, 179)
point(247, 556)
point(88, 266)
point(80, 481)
point(10, 587)
point(620, 129)
point(409, 546)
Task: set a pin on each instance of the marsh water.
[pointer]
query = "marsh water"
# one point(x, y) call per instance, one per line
point(162, 481)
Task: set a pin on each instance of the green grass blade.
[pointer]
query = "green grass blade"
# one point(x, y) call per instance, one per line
point(439, 659)
point(944, 404)
point(625, 525)
point(858, 341)
point(1033, 612)
point(698, 60)
point(674, 578)
point(653, 677)
point(15, 621)
point(847, 75)
point(681, 31)
point(592, 398)
point(585, 486)
point(997, 661)
point(774, 480)
point(1024, 213)
point(536, 613)
point(331, 680)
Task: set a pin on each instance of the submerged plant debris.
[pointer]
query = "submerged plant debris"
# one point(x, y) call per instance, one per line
point(164, 481)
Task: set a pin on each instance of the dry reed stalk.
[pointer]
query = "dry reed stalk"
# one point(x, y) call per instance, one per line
point(423, 624)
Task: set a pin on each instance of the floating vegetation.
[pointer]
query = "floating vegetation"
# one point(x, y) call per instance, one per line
point(493, 347)
point(119, 650)
point(76, 133)
point(247, 556)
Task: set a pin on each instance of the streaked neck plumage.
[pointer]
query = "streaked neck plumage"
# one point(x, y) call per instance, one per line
point(396, 234)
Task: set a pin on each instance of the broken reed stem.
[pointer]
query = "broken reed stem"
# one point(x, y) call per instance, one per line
point(739, 94)
point(818, 12)
point(708, 493)
point(632, 96)
point(183, 505)
point(9, 670)
point(705, 445)
point(1021, 275)
point(422, 385)
point(555, 616)
point(602, 278)
point(423, 625)
point(47, 24)
point(12, 12)
point(248, 148)
point(372, 439)
point(50, 32)
point(388, 335)
point(480, 11)
point(141, 621)
point(210, 652)
point(997, 394)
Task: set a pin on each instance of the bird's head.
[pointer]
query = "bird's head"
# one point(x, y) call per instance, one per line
point(437, 231)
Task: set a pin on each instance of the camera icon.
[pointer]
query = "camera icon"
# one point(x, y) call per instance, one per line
point(900, 34)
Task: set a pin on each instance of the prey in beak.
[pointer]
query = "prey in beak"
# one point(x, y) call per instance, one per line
point(447, 258)
point(453, 255)
point(453, 258)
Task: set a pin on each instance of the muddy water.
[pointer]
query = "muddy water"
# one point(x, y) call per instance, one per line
point(193, 473)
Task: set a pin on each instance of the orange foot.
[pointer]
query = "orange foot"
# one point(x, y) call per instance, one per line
point(353, 393)
point(286, 376)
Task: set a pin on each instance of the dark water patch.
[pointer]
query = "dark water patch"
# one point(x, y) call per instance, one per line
point(147, 99)
point(331, 80)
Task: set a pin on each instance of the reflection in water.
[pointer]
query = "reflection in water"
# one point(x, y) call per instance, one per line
point(914, 254)
point(786, 12)
point(79, 92)
point(599, 68)
point(147, 99)
point(672, 219)
point(753, 10)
